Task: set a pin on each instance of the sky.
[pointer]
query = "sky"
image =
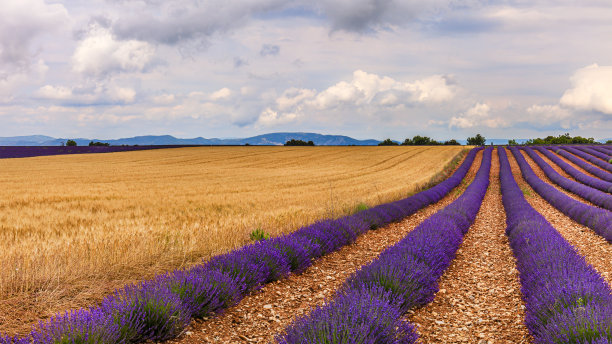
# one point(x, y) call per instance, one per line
point(362, 68)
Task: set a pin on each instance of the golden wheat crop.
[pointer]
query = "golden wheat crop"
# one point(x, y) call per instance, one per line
point(72, 223)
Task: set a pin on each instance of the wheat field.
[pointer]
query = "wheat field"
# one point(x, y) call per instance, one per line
point(74, 227)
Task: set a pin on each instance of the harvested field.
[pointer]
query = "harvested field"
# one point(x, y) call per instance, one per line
point(76, 227)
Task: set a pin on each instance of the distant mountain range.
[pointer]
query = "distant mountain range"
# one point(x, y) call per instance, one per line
point(273, 139)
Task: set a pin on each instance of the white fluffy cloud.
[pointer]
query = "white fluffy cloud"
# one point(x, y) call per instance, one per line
point(549, 114)
point(100, 54)
point(592, 90)
point(476, 116)
point(366, 92)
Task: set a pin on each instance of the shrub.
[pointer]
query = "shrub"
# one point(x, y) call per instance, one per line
point(259, 234)
point(477, 140)
point(388, 142)
point(294, 142)
point(71, 143)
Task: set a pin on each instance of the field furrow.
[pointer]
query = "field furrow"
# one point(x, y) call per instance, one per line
point(479, 299)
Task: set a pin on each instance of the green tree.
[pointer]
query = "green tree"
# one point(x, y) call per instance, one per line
point(477, 140)
point(609, 142)
point(512, 142)
point(71, 143)
point(294, 142)
point(452, 142)
point(388, 142)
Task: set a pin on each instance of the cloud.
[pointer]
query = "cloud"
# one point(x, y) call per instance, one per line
point(549, 114)
point(366, 93)
point(476, 116)
point(172, 22)
point(591, 90)
point(100, 54)
point(87, 95)
point(367, 15)
point(221, 94)
point(21, 22)
point(269, 50)
point(367, 88)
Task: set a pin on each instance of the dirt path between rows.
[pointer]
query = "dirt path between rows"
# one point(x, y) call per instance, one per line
point(259, 317)
point(479, 299)
point(594, 248)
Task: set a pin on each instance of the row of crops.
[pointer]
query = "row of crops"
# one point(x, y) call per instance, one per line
point(566, 300)
point(31, 151)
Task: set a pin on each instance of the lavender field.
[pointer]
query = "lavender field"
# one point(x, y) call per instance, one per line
point(565, 291)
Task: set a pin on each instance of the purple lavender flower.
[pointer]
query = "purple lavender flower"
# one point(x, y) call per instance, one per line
point(365, 316)
point(148, 311)
point(78, 326)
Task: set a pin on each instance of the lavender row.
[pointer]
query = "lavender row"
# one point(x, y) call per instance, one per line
point(369, 306)
point(579, 176)
point(594, 152)
point(600, 220)
point(588, 157)
point(31, 151)
point(566, 300)
point(605, 150)
point(595, 196)
point(161, 308)
point(597, 172)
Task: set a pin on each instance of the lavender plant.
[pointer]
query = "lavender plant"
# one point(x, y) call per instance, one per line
point(600, 220)
point(579, 176)
point(588, 157)
point(598, 172)
point(79, 326)
point(594, 152)
point(595, 196)
point(566, 300)
point(365, 316)
point(148, 311)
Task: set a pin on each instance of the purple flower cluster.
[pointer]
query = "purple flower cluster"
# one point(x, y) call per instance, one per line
point(595, 152)
point(369, 305)
point(588, 157)
point(161, 308)
point(600, 220)
point(30, 151)
point(595, 196)
point(607, 151)
point(567, 301)
point(598, 172)
point(579, 176)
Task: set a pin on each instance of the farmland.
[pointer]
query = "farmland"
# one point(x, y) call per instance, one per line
point(76, 227)
point(509, 249)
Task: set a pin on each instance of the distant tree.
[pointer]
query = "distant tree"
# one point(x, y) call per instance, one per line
point(609, 142)
point(105, 144)
point(452, 142)
point(71, 143)
point(512, 142)
point(294, 142)
point(477, 140)
point(419, 140)
point(388, 142)
point(407, 142)
point(561, 140)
